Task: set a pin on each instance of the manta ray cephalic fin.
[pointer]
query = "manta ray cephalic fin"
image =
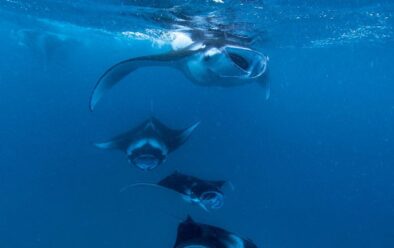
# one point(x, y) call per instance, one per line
point(264, 82)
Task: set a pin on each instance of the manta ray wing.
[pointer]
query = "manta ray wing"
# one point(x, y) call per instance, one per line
point(218, 184)
point(174, 182)
point(182, 136)
point(120, 142)
point(174, 137)
point(191, 233)
point(123, 140)
point(120, 70)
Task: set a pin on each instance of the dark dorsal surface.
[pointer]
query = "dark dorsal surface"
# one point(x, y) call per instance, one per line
point(183, 183)
point(150, 128)
point(122, 141)
point(173, 138)
point(191, 233)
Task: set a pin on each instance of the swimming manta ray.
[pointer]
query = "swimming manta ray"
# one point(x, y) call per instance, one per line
point(149, 144)
point(208, 63)
point(192, 234)
point(206, 194)
point(46, 43)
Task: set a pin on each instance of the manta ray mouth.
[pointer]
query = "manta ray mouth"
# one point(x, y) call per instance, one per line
point(212, 199)
point(239, 60)
point(146, 162)
point(147, 157)
point(196, 243)
point(250, 63)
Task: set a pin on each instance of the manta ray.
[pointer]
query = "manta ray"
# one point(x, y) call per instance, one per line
point(206, 194)
point(46, 43)
point(192, 234)
point(211, 62)
point(149, 144)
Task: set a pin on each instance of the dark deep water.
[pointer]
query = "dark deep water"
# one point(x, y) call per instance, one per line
point(312, 167)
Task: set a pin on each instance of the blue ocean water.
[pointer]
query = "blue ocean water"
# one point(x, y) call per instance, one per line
point(311, 167)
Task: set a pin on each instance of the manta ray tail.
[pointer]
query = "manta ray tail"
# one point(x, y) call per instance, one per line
point(120, 70)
